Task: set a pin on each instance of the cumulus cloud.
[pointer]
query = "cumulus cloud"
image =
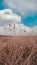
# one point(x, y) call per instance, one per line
point(22, 6)
point(7, 21)
point(7, 16)
point(20, 29)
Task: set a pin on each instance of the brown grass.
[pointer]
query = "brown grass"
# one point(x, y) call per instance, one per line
point(18, 50)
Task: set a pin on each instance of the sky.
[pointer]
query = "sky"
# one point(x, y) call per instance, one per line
point(27, 9)
point(21, 12)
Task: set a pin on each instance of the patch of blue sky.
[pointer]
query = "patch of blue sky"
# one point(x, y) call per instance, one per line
point(1, 5)
point(30, 21)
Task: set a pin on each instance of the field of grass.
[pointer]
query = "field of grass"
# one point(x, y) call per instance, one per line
point(18, 50)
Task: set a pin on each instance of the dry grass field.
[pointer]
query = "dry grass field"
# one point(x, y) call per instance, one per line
point(18, 50)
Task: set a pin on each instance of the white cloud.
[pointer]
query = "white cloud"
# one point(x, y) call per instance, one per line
point(20, 29)
point(7, 16)
point(23, 6)
point(7, 20)
point(33, 31)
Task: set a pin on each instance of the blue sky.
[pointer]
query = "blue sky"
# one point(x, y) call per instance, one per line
point(30, 21)
point(29, 15)
point(1, 5)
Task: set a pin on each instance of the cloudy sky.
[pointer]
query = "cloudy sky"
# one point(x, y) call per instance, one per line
point(23, 12)
point(27, 9)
